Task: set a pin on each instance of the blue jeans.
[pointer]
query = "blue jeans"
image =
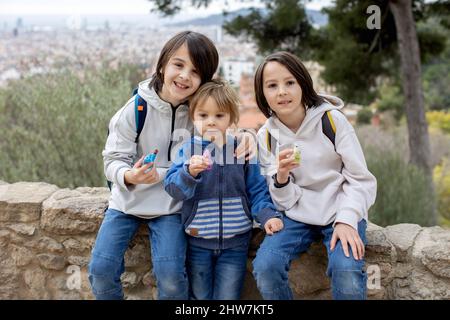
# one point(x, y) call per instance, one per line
point(216, 274)
point(273, 259)
point(168, 252)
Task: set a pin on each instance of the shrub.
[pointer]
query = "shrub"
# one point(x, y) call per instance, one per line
point(54, 126)
point(364, 116)
point(441, 177)
point(390, 98)
point(403, 195)
point(439, 119)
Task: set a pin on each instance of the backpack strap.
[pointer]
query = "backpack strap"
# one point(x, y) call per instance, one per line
point(328, 127)
point(271, 142)
point(140, 112)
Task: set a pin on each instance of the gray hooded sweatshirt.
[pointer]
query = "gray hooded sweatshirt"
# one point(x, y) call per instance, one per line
point(162, 125)
point(330, 185)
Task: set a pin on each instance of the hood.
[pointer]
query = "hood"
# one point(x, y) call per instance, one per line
point(313, 115)
point(198, 140)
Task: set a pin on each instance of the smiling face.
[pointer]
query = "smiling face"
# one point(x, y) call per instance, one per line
point(281, 90)
point(181, 78)
point(210, 121)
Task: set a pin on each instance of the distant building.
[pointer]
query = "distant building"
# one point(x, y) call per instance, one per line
point(219, 34)
point(233, 69)
point(74, 22)
point(19, 23)
point(249, 115)
point(247, 91)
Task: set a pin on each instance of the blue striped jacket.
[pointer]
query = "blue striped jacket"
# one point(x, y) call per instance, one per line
point(220, 204)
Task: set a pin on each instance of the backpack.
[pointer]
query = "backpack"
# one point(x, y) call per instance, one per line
point(140, 113)
point(328, 128)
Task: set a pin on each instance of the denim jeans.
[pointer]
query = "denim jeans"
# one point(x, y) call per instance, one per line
point(216, 274)
point(273, 259)
point(168, 252)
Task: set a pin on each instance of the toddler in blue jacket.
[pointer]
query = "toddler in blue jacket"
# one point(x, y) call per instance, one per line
point(222, 196)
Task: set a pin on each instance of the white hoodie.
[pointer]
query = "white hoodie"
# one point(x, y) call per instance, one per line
point(162, 125)
point(330, 185)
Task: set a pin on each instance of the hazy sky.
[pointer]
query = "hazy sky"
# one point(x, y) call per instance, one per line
point(107, 7)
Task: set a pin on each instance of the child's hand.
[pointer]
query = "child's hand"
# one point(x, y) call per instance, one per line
point(273, 225)
point(348, 237)
point(198, 164)
point(286, 163)
point(137, 175)
point(247, 147)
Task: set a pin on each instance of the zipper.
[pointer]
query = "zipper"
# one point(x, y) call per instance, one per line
point(174, 113)
point(221, 166)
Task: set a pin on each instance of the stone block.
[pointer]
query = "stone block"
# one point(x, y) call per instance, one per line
point(74, 212)
point(51, 261)
point(22, 201)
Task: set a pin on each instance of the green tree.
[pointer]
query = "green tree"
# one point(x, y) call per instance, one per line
point(436, 74)
point(364, 116)
point(283, 26)
point(171, 7)
point(55, 130)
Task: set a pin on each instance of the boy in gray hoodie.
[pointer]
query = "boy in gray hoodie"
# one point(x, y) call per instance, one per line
point(325, 191)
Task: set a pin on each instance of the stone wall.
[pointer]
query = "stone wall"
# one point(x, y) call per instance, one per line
point(47, 233)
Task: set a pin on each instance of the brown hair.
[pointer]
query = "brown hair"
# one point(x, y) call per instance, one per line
point(202, 52)
point(309, 97)
point(226, 98)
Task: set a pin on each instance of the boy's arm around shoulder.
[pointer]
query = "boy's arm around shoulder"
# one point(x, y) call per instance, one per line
point(261, 204)
point(179, 183)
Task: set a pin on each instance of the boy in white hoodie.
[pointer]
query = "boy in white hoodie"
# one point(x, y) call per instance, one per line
point(325, 194)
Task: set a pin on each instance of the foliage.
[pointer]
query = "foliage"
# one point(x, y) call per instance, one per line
point(436, 78)
point(54, 126)
point(285, 26)
point(390, 98)
point(364, 116)
point(171, 7)
point(441, 177)
point(439, 119)
point(403, 195)
point(353, 54)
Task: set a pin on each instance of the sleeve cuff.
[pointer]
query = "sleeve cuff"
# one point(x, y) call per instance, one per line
point(348, 217)
point(187, 178)
point(266, 214)
point(280, 185)
point(284, 197)
point(121, 179)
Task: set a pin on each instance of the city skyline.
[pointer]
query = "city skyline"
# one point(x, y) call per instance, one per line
point(130, 7)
